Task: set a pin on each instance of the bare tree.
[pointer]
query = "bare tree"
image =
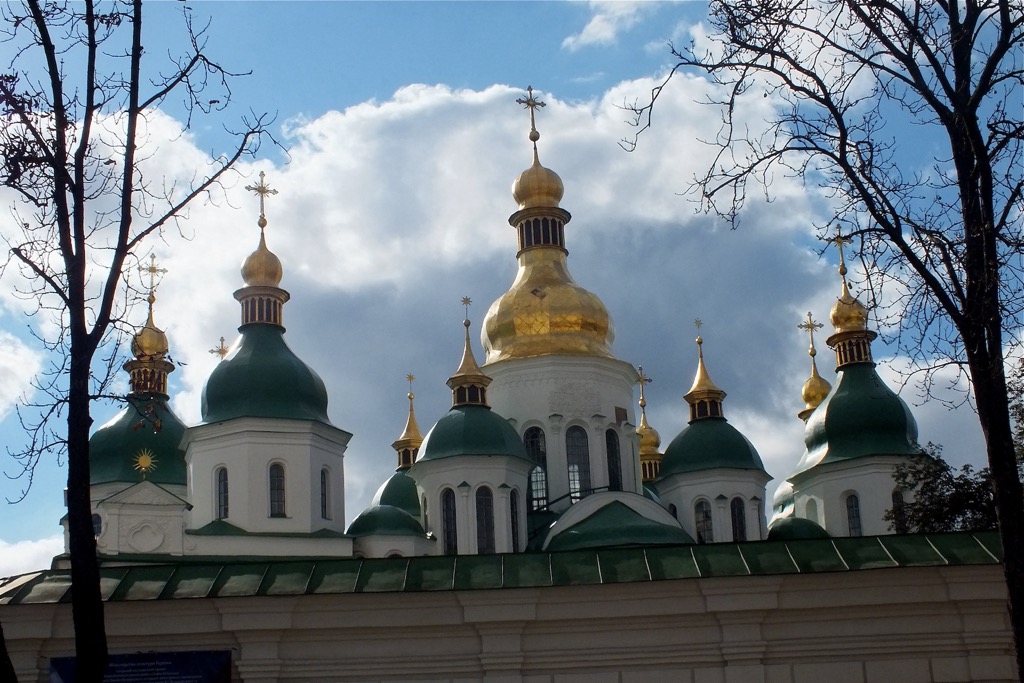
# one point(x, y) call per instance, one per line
point(936, 200)
point(74, 104)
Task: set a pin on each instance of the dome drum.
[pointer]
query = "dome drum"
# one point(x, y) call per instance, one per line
point(540, 227)
point(852, 346)
point(148, 376)
point(262, 304)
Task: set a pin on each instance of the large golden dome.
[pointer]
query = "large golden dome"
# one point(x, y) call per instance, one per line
point(262, 268)
point(545, 313)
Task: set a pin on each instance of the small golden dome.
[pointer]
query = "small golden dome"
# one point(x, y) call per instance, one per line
point(702, 384)
point(262, 268)
point(150, 342)
point(815, 389)
point(537, 186)
point(848, 314)
point(650, 440)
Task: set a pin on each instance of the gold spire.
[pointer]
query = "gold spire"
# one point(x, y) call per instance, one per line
point(469, 383)
point(704, 397)
point(261, 298)
point(650, 440)
point(536, 186)
point(816, 388)
point(408, 444)
point(852, 338)
point(150, 367)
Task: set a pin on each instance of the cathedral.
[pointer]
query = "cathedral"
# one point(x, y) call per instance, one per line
point(542, 458)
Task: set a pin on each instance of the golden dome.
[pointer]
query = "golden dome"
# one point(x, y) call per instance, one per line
point(262, 268)
point(537, 186)
point(815, 389)
point(848, 314)
point(650, 440)
point(546, 313)
point(702, 385)
point(150, 342)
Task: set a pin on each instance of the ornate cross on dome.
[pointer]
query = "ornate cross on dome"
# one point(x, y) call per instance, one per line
point(153, 270)
point(643, 380)
point(466, 301)
point(841, 242)
point(532, 103)
point(263, 190)
point(220, 350)
point(410, 377)
point(810, 325)
point(698, 323)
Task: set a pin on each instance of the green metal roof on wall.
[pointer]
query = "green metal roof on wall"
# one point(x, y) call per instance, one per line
point(209, 579)
point(264, 378)
point(145, 427)
point(616, 525)
point(385, 520)
point(708, 444)
point(860, 417)
point(471, 430)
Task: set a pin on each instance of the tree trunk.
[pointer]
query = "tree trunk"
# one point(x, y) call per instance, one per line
point(86, 601)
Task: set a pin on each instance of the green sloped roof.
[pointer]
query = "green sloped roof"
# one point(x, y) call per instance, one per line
point(399, 491)
point(860, 417)
point(145, 424)
point(264, 378)
point(385, 520)
point(615, 525)
point(471, 430)
point(708, 444)
point(211, 578)
point(795, 528)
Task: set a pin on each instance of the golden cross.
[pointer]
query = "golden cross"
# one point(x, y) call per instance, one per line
point(263, 190)
point(810, 325)
point(410, 377)
point(644, 380)
point(153, 270)
point(220, 350)
point(466, 301)
point(840, 242)
point(532, 103)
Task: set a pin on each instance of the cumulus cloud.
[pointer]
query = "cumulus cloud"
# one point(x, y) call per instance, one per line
point(19, 364)
point(26, 556)
point(609, 19)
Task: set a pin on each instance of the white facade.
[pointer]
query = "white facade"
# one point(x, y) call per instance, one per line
point(723, 490)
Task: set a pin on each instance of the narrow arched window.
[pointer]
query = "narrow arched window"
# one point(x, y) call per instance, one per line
point(611, 440)
point(702, 522)
point(222, 493)
point(536, 448)
point(673, 511)
point(811, 510)
point(853, 515)
point(739, 519)
point(513, 504)
point(97, 525)
point(899, 512)
point(325, 494)
point(449, 530)
point(577, 455)
point(484, 521)
point(277, 508)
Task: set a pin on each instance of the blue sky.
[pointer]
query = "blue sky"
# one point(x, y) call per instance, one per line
point(403, 139)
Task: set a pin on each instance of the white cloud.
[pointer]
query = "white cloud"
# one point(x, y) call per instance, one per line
point(19, 364)
point(26, 556)
point(609, 19)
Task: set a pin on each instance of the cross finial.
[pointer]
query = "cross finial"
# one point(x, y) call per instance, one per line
point(221, 350)
point(532, 103)
point(810, 325)
point(643, 380)
point(409, 378)
point(153, 270)
point(263, 190)
point(466, 301)
point(841, 242)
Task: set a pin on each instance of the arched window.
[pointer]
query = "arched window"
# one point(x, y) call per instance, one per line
point(449, 531)
point(484, 521)
point(513, 504)
point(611, 440)
point(702, 522)
point(325, 493)
point(97, 525)
point(673, 511)
point(739, 519)
point(853, 515)
point(811, 510)
point(277, 508)
point(899, 512)
point(222, 493)
point(536, 448)
point(577, 456)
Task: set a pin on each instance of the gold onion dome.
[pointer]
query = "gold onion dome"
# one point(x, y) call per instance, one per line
point(544, 312)
point(848, 314)
point(650, 440)
point(150, 343)
point(816, 387)
point(262, 268)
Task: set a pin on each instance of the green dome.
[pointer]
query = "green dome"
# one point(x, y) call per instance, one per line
point(860, 417)
point(385, 520)
point(708, 444)
point(146, 427)
point(795, 529)
point(399, 491)
point(616, 525)
point(263, 378)
point(471, 430)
